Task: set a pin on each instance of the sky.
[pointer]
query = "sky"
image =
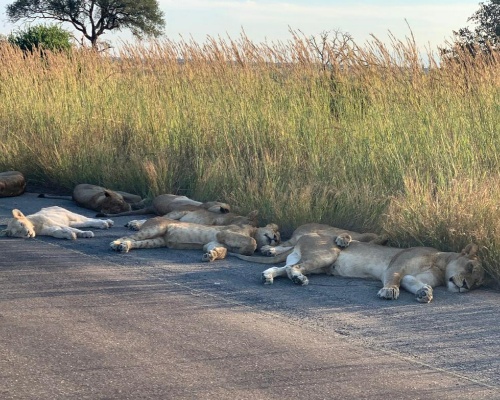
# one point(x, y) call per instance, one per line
point(431, 22)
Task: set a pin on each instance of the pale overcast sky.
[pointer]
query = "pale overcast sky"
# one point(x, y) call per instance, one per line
point(431, 22)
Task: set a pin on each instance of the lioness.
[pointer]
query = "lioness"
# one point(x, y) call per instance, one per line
point(165, 203)
point(53, 221)
point(416, 269)
point(203, 217)
point(100, 199)
point(12, 183)
point(216, 241)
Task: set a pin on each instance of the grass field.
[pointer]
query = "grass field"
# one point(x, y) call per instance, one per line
point(358, 137)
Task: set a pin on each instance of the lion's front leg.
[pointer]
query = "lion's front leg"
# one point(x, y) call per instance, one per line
point(124, 245)
point(93, 223)
point(214, 251)
point(422, 291)
point(135, 224)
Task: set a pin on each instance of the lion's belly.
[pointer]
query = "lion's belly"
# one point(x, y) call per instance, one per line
point(365, 261)
point(188, 234)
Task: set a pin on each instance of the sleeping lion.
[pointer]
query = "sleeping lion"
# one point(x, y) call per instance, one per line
point(52, 221)
point(216, 241)
point(416, 269)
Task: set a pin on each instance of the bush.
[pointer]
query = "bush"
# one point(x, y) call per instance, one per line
point(42, 37)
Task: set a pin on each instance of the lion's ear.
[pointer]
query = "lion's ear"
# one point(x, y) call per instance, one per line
point(224, 208)
point(274, 227)
point(470, 250)
point(17, 213)
point(253, 214)
point(107, 193)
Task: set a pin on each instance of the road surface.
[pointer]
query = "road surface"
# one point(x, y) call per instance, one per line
point(79, 321)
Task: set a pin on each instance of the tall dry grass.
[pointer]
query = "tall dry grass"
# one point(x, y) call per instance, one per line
point(361, 137)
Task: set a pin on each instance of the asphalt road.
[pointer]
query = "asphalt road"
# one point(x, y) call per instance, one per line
point(79, 321)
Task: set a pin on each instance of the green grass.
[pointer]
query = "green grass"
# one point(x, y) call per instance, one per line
point(369, 142)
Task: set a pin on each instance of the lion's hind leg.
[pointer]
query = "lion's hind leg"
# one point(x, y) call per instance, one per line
point(66, 232)
point(297, 273)
point(214, 251)
point(237, 243)
point(269, 274)
point(272, 251)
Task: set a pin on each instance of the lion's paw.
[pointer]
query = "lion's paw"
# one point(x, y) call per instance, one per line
point(343, 240)
point(267, 279)
point(86, 234)
point(209, 256)
point(268, 250)
point(104, 224)
point(424, 294)
point(300, 279)
point(389, 293)
point(121, 247)
point(133, 225)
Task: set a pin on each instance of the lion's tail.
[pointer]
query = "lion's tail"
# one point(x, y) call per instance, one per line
point(264, 260)
point(54, 196)
point(140, 211)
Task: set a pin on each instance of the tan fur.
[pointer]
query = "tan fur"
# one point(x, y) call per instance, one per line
point(203, 217)
point(98, 198)
point(323, 230)
point(52, 221)
point(215, 240)
point(417, 269)
point(12, 183)
point(167, 203)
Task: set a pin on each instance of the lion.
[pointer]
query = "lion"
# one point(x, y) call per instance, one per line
point(416, 269)
point(98, 198)
point(215, 241)
point(12, 183)
point(166, 203)
point(203, 217)
point(52, 221)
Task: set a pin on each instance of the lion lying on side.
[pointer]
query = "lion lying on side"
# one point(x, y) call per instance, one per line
point(12, 183)
point(215, 241)
point(416, 269)
point(165, 203)
point(98, 198)
point(203, 217)
point(53, 221)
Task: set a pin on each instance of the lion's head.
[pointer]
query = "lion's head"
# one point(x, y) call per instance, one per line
point(268, 235)
point(19, 226)
point(113, 203)
point(216, 207)
point(465, 272)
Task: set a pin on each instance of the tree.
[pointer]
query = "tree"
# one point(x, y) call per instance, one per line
point(486, 35)
point(42, 37)
point(94, 17)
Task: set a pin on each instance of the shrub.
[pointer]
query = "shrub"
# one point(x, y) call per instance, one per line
point(42, 37)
